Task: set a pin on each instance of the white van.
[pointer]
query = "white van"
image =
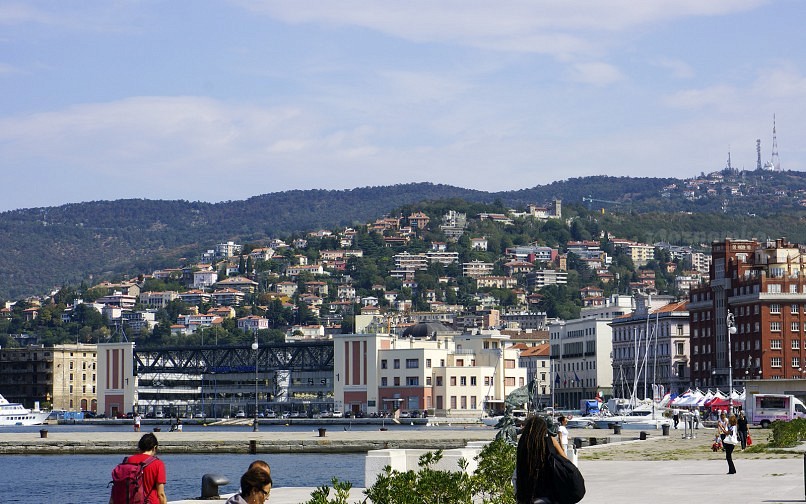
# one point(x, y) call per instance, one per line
point(763, 409)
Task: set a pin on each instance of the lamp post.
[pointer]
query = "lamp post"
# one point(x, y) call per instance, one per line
point(255, 348)
point(730, 322)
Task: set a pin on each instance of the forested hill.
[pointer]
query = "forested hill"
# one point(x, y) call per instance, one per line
point(43, 248)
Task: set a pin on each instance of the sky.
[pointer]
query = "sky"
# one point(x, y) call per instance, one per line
point(206, 100)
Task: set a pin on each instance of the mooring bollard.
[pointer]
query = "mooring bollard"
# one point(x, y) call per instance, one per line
point(43, 433)
point(322, 431)
point(252, 447)
point(210, 484)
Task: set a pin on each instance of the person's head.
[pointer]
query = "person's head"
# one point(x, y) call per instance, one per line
point(562, 420)
point(532, 452)
point(256, 483)
point(260, 464)
point(732, 420)
point(741, 414)
point(722, 415)
point(147, 443)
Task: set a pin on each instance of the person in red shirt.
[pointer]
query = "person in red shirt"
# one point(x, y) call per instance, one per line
point(154, 475)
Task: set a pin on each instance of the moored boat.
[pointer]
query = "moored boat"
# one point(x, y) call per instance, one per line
point(17, 414)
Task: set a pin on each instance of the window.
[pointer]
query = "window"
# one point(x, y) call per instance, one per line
point(680, 348)
point(680, 329)
point(463, 381)
point(412, 363)
point(441, 362)
point(397, 363)
point(509, 381)
point(439, 381)
point(472, 381)
point(428, 363)
point(795, 344)
point(464, 402)
point(795, 326)
point(775, 326)
point(775, 307)
point(428, 381)
point(460, 362)
point(453, 402)
point(396, 381)
point(453, 381)
point(412, 381)
point(793, 288)
point(509, 363)
point(775, 362)
point(775, 344)
point(793, 309)
point(795, 362)
point(774, 288)
point(383, 364)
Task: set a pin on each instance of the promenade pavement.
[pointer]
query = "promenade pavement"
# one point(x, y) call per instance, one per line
point(688, 471)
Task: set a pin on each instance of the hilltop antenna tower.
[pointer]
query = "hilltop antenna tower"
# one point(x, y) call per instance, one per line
point(776, 162)
point(758, 154)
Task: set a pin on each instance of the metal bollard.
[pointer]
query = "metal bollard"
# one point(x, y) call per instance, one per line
point(252, 447)
point(210, 484)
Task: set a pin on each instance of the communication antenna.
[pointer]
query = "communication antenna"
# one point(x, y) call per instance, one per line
point(758, 154)
point(776, 162)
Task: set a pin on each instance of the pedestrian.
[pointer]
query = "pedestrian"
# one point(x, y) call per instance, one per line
point(260, 464)
point(562, 430)
point(722, 426)
point(729, 442)
point(256, 485)
point(137, 420)
point(154, 474)
point(741, 424)
point(676, 417)
point(536, 458)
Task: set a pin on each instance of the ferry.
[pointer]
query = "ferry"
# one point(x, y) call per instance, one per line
point(16, 414)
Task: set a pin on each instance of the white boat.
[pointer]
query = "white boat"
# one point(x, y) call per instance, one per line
point(580, 422)
point(16, 414)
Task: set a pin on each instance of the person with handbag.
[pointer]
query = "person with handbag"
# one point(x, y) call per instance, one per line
point(543, 474)
point(741, 423)
point(730, 442)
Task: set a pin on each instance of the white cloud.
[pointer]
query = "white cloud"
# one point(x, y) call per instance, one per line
point(599, 74)
point(679, 69)
point(541, 26)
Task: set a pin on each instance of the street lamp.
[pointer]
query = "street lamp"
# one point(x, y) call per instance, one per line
point(730, 321)
point(255, 347)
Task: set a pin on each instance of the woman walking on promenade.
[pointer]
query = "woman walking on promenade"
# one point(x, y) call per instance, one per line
point(730, 441)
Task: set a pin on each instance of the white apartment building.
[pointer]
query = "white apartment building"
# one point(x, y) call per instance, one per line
point(651, 347)
point(580, 360)
point(447, 375)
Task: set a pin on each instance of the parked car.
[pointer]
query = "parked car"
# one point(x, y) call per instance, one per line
point(337, 414)
point(159, 414)
point(200, 415)
point(270, 414)
point(240, 414)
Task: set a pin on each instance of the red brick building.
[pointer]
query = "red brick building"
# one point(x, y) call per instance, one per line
point(763, 286)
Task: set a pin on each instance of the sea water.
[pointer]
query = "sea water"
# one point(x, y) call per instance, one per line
point(81, 479)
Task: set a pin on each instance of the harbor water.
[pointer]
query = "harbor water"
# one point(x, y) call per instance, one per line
point(80, 479)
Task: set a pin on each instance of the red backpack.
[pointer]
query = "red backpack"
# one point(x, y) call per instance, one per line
point(127, 482)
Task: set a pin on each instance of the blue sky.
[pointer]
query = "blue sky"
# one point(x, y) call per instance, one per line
point(223, 100)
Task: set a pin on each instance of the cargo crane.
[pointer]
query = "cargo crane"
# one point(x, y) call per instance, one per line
point(591, 200)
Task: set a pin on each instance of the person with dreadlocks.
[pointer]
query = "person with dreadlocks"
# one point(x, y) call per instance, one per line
point(534, 478)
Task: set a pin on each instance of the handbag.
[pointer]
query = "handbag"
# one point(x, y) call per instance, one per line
point(731, 439)
point(749, 440)
point(568, 485)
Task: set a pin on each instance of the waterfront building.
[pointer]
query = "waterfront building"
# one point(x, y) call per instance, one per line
point(651, 348)
point(762, 287)
point(61, 376)
point(444, 373)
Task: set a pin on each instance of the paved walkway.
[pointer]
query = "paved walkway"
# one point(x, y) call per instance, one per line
point(676, 481)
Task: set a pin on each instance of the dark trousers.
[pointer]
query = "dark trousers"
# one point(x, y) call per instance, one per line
point(729, 458)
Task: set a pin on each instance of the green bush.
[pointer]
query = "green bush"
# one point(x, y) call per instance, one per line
point(787, 434)
point(490, 484)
